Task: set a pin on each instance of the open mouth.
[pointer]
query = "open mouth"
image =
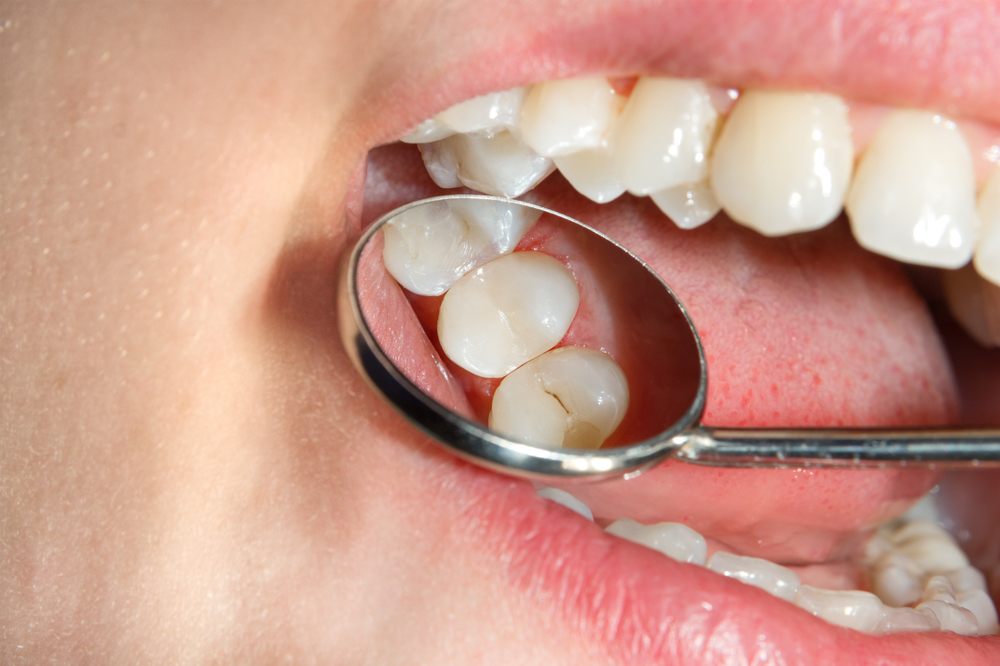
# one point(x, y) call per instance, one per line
point(802, 325)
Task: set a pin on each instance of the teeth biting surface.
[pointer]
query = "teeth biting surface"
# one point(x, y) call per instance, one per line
point(674, 540)
point(689, 205)
point(768, 576)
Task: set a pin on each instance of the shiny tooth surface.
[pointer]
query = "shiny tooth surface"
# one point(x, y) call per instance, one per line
point(913, 194)
point(689, 205)
point(490, 113)
point(563, 117)
point(499, 164)
point(897, 580)
point(930, 546)
point(560, 496)
point(427, 131)
point(674, 540)
point(966, 579)
point(664, 135)
point(974, 302)
point(768, 576)
point(591, 173)
point(853, 609)
point(987, 256)
point(507, 312)
point(952, 617)
point(428, 248)
point(907, 619)
point(979, 603)
point(783, 161)
point(570, 397)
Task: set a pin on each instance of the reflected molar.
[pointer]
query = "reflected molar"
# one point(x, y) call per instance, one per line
point(674, 540)
point(783, 161)
point(987, 256)
point(507, 312)
point(564, 117)
point(571, 397)
point(913, 195)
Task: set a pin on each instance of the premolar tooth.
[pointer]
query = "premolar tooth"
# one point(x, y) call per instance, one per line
point(562, 497)
point(689, 205)
point(674, 540)
point(428, 131)
point(896, 580)
point(591, 173)
point(907, 619)
point(570, 397)
point(978, 603)
point(846, 608)
point(491, 112)
point(783, 161)
point(428, 248)
point(768, 576)
point(952, 617)
point(563, 117)
point(987, 257)
point(507, 312)
point(499, 164)
point(913, 195)
point(664, 135)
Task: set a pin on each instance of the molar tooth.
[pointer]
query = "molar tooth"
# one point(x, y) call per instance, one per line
point(674, 540)
point(853, 609)
point(930, 546)
point(570, 397)
point(499, 164)
point(430, 247)
point(987, 257)
point(664, 135)
point(563, 117)
point(913, 195)
point(783, 161)
point(978, 603)
point(689, 205)
point(768, 576)
point(907, 619)
point(562, 497)
point(591, 173)
point(974, 302)
point(896, 580)
point(952, 617)
point(966, 579)
point(507, 312)
point(491, 112)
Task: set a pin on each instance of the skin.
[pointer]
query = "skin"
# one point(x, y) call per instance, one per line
point(191, 469)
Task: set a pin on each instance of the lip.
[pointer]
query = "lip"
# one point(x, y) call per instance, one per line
point(636, 605)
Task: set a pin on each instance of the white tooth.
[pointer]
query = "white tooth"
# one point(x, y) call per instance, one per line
point(664, 135)
point(590, 172)
point(562, 117)
point(913, 195)
point(846, 608)
point(507, 312)
point(896, 580)
point(952, 617)
point(907, 619)
point(570, 397)
point(987, 258)
point(938, 588)
point(783, 161)
point(978, 602)
point(768, 576)
point(499, 164)
point(490, 112)
point(427, 131)
point(974, 302)
point(674, 540)
point(428, 248)
point(930, 546)
point(689, 205)
point(560, 496)
point(966, 579)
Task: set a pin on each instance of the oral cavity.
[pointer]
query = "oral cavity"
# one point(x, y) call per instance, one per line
point(919, 578)
point(778, 162)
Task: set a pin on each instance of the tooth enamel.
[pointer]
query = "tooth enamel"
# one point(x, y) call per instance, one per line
point(978, 602)
point(940, 589)
point(429, 248)
point(664, 135)
point(913, 196)
point(783, 161)
point(563, 117)
point(987, 257)
point(907, 619)
point(896, 580)
point(967, 579)
point(952, 617)
point(974, 302)
point(591, 173)
point(689, 205)
point(489, 112)
point(427, 131)
point(570, 397)
point(507, 312)
point(674, 540)
point(768, 576)
point(562, 497)
point(499, 164)
point(853, 609)
point(930, 546)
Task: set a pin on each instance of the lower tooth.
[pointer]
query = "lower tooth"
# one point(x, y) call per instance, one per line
point(590, 173)
point(564, 498)
point(978, 602)
point(896, 580)
point(507, 312)
point(974, 302)
point(987, 257)
point(499, 164)
point(853, 609)
point(674, 540)
point(690, 205)
point(913, 195)
point(768, 576)
point(907, 619)
point(930, 546)
point(570, 397)
point(952, 617)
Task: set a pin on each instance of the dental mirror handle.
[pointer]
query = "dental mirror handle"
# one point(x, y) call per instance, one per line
point(846, 448)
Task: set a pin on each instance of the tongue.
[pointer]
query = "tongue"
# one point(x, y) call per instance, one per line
point(806, 330)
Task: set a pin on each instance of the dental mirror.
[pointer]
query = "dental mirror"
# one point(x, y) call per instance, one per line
point(419, 298)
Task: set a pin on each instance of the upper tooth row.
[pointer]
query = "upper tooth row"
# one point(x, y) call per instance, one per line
point(781, 162)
